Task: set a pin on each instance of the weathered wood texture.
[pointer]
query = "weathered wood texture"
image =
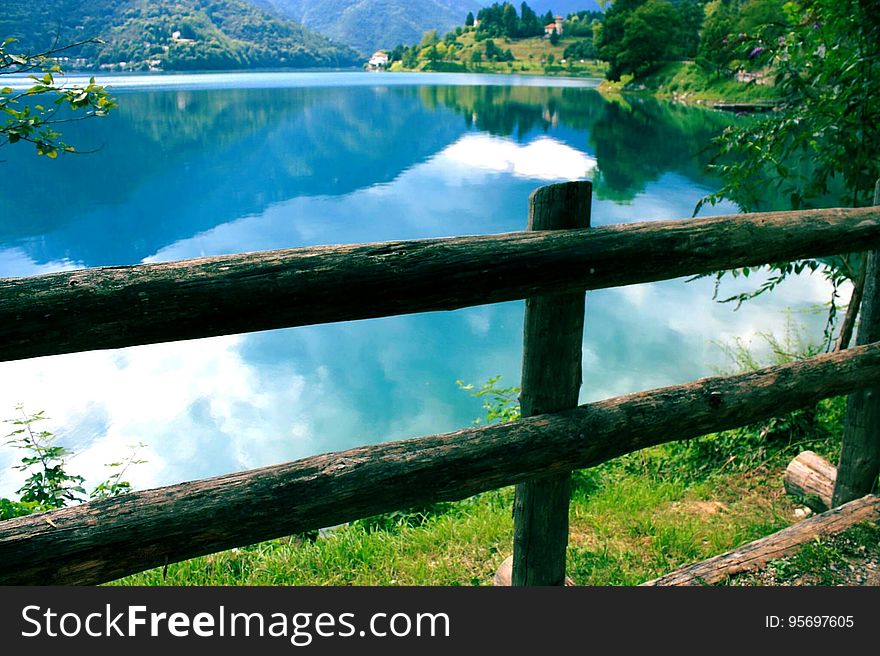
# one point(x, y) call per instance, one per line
point(859, 464)
point(852, 310)
point(810, 478)
point(124, 306)
point(104, 540)
point(784, 543)
point(553, 332)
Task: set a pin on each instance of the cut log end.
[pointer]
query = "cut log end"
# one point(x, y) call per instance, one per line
point(810, 478)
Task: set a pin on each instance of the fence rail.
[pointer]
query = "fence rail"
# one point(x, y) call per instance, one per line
point(104, 540)
point(126, 306)
point(114, 307)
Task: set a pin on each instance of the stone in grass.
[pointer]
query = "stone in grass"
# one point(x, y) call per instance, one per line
point(504, 575)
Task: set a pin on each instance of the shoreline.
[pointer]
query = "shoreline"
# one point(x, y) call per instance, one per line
point(122, 82)
point(684, 83)
point(700, 97)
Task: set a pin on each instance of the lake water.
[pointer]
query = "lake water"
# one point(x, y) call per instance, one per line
point(192, 165)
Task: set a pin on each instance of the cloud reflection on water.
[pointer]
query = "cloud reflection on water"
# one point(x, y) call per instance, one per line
point(212, 406)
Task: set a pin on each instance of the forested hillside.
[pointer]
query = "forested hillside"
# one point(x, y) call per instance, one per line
point(170, 34)
point(371, 24)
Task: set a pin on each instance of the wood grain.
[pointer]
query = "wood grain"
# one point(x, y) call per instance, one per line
point(811, 478)
point(784, 543)
point(108, 539)
point(859, 465)
point(553, 335)
point(113, 307)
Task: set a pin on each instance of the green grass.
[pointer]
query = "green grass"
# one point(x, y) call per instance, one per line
point(631, 520)
point(531, 58)
point(631, 529)
point(461, 545)
point(688, 82)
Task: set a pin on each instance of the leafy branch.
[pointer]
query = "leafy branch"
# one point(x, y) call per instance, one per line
point(822, 143)
point(29, 121)
point(500, 403)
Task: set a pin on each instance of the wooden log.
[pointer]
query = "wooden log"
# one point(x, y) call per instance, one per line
point(113, 307)
point(784, 543)
point(104, 540)
point(810, 478)
point(551, 380)
point(859, 464)
point(855, 304)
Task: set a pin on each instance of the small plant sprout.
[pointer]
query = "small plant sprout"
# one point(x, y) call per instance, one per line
point(49, 484)
point(500, 403)
point(114, 485)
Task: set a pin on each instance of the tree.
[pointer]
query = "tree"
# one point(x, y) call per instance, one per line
point(432, 54)
point(469, 21)
point(554, 37)
point(642, 37)
point(716, 44)
point(529, 23)
point(509, 21)
point(821, 147)
point(581, 23)
point(610, 33)
point(765, 16)
point(826, 137)
point(397, 53)
point(429, 38)
point(691, 17)
point(493, 52)
point(411, 57)
point(29, 121)
point(580, 49)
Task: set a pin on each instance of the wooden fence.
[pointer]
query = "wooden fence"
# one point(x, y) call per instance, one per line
point(551, 266)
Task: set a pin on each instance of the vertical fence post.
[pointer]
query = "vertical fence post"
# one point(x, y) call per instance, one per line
point(860, 451)
point(551, 380)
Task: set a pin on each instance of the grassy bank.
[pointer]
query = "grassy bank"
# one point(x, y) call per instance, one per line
point(687, 82)
point(535, 56)
point(631, 520)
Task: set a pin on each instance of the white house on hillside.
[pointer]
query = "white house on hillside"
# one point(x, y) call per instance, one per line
point(378, 60)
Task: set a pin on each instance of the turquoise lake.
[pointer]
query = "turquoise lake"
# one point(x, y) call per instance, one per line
point(200, 165)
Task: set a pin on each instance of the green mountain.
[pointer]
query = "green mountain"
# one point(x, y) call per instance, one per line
point(170, 34)
point(372, 24)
